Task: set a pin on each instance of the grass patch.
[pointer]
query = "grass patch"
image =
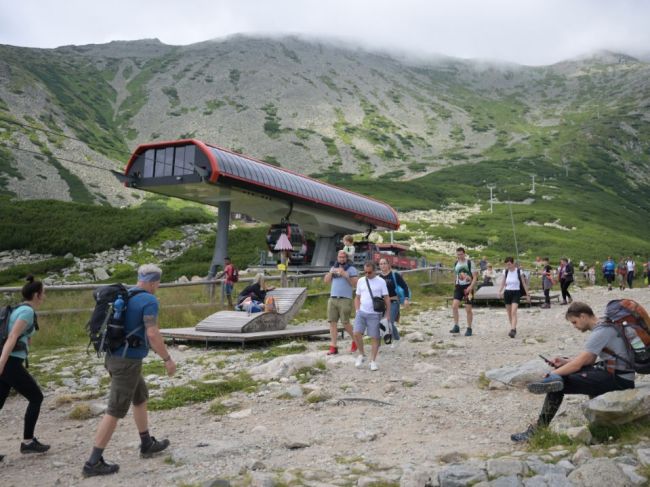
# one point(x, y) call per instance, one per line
point(81, 412)
point(305, 374)
point(483, 382)
point(544, 438)
point(197, 391)
point(624, 433)
point(277, 352)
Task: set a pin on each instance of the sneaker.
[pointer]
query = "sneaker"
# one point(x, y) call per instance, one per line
point(333, 350)
point(552, 383)
point(512, 333)
point(524, 435)
point(154, 447)
point(359, 361)
point(394, 345)
point(455, 329)
point(373, 366)
point(545, 306)
point(34, 446)
point(100, 468)
point(468, 332)
point(353, 348)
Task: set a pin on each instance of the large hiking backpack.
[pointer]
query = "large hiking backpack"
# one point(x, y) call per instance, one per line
point(632, 323)
point(5, 314)
point(106, 325)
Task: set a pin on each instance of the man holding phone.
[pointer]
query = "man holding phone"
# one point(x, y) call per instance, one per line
point(584, 373)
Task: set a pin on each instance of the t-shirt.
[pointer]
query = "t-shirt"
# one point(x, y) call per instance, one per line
point(605, 336)
point(462, 271)
point(630, 265)
point(512, 281)
point(547, 282)
point(341, 288)
point(229, 270)
point(139, 306)
point(349, 250)
point(378, 286)
point(25, 313)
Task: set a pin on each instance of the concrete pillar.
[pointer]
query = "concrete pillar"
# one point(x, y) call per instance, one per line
point(325, 251)
point(221, 243)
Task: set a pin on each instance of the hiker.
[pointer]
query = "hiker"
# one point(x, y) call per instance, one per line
point(343, 277)
point(547, 282)
point(646, 272)
point(348, 248)
point(367, 318)
point(513, 287)
point(463, 290)
point(393, 280)
point(230, 273)
point(621, 274)
point(583, 374)
point(489, 277)
point(565, 274)
point(609, 272)
point(483, 264)
point(256, 292)
point(125, 368)
point(21, 326)
point(631, 269)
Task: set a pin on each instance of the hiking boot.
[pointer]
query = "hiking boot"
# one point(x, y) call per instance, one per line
point(468, 332)
point(100, 468)
point(353, 348)
point(34, 446)
point(512, 333)
point(374, 366)
point(455, 329)
point(154, 447)
point(333, 350)
point(359, 361)
point(524, 435)
point(551, 383)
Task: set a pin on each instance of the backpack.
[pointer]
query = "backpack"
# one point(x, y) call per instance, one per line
point(106, 325)
point(401, 294)
point(269, 305)
point(632, 324)
point(5, 314)
point(235, 275)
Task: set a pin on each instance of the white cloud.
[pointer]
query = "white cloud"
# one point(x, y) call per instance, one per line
point(523, 31)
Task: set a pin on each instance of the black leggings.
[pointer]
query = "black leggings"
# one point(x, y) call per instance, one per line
point(589, 381)
point(16, 376)
point(564, 286)
point(547, 296)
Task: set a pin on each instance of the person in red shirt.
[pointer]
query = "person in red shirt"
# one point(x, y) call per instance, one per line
point(228, 271)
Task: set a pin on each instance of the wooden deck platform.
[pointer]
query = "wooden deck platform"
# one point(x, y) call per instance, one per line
point(207, 337)
point(288, 300)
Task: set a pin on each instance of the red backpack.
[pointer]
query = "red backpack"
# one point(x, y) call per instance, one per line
point(632, 323)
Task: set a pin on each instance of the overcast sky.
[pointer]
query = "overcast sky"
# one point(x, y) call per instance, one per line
point(521, 31)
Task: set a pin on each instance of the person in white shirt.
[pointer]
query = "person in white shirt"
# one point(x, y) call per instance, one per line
point(631, 268)
point(515, 287)
point(367, 319)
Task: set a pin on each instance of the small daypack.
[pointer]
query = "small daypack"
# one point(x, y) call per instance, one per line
point(632, 323)
point(106, 325)
point(400, 291)
point(5, 314)
point(235, 274)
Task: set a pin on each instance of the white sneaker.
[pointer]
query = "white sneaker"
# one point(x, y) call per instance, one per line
point(359, 361)
point(394, 344)
point(373, 366)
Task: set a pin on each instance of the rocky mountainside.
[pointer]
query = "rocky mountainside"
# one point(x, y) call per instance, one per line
point(68, 114)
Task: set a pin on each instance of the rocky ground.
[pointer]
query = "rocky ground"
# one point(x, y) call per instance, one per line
point(441, 410)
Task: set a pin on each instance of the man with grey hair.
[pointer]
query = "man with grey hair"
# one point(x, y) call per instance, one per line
point(125, 368)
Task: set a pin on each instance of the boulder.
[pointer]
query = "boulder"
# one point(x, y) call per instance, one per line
point(518, 375)
point(461, 475)
point(285, 366)
point(580, 434)
point(100, 274)
point(618, 407)
point(599, 472)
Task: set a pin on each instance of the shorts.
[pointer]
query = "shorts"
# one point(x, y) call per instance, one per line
point(127, 385)
point(339, 309)
point(459, 293)
point(512, 297)
point(228, 289)
point(367, 323)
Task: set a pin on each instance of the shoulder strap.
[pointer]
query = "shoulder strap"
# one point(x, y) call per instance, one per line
point(369, 288)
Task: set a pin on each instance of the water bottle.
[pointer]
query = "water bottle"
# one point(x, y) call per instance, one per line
point(118, 308)
point(633, 338)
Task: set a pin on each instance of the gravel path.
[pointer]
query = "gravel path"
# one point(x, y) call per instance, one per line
point(437, 408)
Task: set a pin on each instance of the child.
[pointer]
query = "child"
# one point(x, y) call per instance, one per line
point(348, 247)
point(547, 282)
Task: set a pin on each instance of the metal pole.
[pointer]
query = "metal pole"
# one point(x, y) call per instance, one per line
point(491, 187)
point(513, 230)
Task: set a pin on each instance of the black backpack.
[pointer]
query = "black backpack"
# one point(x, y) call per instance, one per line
point(106, 325)
point(5, 314)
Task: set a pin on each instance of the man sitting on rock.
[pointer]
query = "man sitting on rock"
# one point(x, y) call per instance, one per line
point(583, 374)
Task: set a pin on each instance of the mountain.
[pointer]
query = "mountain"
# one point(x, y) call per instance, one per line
point(312, 107)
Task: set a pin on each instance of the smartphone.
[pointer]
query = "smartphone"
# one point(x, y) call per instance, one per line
point(547, 361)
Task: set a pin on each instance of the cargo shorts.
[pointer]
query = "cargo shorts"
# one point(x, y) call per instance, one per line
point(339, 309)
point(127, 385)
